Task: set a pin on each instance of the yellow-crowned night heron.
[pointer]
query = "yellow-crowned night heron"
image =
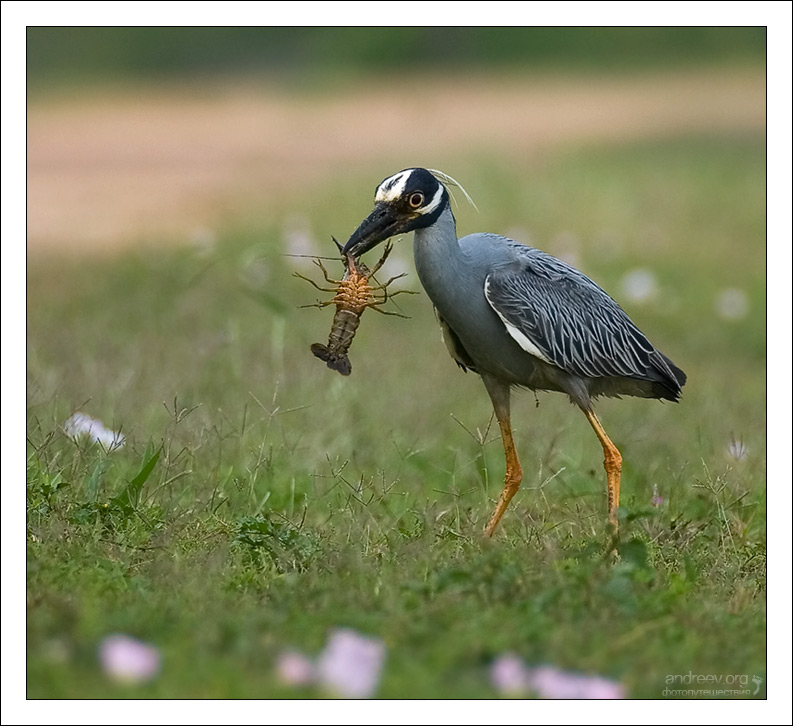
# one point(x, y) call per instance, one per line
point(518, 317)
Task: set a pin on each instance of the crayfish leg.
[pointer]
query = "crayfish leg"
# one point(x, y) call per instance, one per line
point(387, 251)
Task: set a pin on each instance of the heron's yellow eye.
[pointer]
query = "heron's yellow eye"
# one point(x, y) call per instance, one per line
point(416, 200)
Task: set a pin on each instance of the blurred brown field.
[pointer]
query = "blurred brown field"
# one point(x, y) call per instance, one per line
point(106, 170)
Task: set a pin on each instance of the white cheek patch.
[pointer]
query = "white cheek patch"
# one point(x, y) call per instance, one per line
point(433, 205)
point(393, 187)
point(516, 334)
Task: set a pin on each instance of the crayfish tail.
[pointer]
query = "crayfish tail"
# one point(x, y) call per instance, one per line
point(335, 361)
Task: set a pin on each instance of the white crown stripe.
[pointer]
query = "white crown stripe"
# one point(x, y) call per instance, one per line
point(393, 187)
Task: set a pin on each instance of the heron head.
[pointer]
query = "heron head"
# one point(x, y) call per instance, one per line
point(408, 200)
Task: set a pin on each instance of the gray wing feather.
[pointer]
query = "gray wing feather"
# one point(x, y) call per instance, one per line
point(570, 320)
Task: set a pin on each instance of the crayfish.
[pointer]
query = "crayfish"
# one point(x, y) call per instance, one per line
point(353, 294)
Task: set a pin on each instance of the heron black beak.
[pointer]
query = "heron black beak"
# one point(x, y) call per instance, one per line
point(382, 223)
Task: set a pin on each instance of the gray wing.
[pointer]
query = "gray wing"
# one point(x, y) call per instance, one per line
point(559, 315)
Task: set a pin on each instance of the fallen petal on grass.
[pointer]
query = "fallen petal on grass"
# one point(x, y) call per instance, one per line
point(128, 660)
point(639, 285)
point(350, 665)
point(81, 424)
point(509, 675)
point(295, 669)
point(732, 304)
point(550, 682)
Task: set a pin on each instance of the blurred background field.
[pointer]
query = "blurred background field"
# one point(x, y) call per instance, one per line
point(260, 500)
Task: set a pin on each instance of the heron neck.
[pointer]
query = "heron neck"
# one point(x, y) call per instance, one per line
point(436, 248)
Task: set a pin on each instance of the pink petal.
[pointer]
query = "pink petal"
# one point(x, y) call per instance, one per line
point(509, 675)
point(350, 664)
point(128, 660)
point(549, 682)
point(294, 669)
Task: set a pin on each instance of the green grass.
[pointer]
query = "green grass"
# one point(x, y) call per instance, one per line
point(300, 55)
point(283, 500)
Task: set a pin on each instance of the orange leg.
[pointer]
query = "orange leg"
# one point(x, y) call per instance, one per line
point(512, 479)
point(612, 462)
point(499, 395)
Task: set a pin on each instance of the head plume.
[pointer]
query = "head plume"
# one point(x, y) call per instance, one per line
point(444, 178)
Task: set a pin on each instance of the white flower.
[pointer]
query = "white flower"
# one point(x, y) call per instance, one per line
point(127, 660)
point(732, 304)
point(82, 425)
point(550, 682)
point(350, 665)
point(639, 285)
point(295, 669)
point(509, 675)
